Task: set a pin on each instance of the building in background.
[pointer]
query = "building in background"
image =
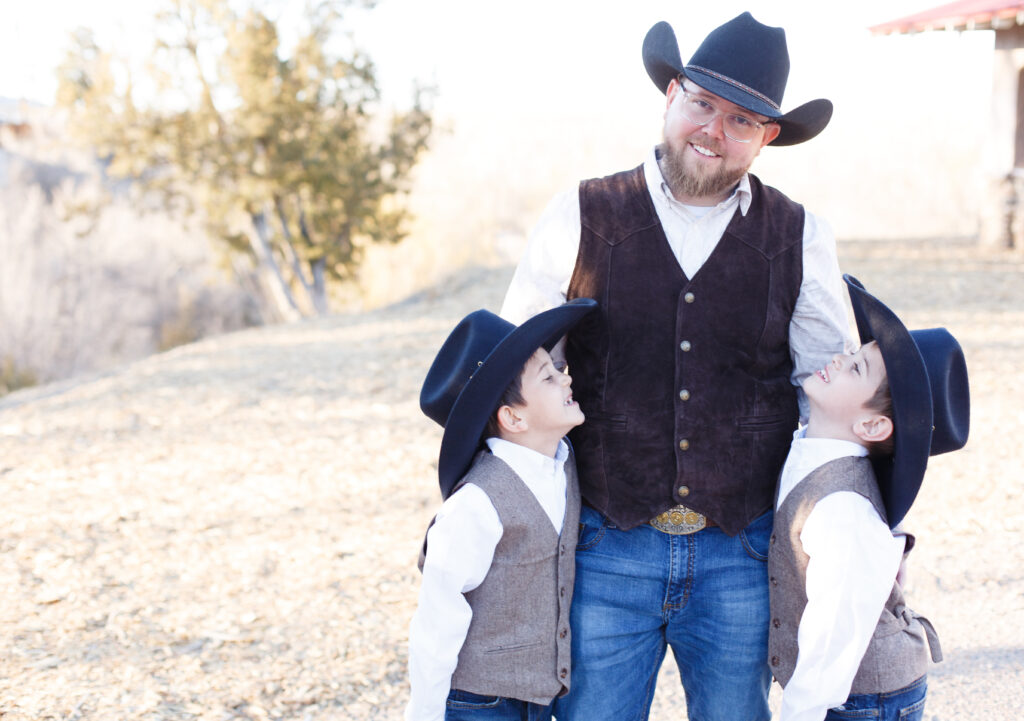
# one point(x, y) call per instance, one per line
point(1001, 221)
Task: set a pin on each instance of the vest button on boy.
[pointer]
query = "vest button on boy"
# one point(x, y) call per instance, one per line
point(563, 673)
point(776, 622)
point(775, 660)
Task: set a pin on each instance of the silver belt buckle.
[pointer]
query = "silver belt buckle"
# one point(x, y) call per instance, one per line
point(679, 521)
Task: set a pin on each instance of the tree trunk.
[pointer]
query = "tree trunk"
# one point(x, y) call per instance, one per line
point(319, 292)
point(283, 301)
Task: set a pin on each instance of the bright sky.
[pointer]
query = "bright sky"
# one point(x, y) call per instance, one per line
point(556, 88)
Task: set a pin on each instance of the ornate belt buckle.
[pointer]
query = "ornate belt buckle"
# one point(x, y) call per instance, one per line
point(679, 521)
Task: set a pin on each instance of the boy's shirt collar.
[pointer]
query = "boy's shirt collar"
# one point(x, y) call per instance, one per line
point(808, 454)
point(543, 475)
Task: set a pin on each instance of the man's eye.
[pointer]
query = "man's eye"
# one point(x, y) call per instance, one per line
point(741, 121)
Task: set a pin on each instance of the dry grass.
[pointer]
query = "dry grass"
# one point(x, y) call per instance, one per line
point(229, 530)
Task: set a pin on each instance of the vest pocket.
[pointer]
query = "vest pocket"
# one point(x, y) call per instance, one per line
point(512, 649)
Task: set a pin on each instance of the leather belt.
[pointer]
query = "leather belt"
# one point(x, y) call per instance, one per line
point(681, 521)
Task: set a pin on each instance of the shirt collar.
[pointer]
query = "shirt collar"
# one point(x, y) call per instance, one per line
point(808, 454)
point(656, 183)
point(526, 462)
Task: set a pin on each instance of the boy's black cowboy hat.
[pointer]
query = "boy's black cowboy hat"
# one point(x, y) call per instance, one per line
point(477, 362)
point(930, 398)
point(746, 63)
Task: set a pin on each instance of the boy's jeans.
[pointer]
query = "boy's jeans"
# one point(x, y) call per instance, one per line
point(466, 706)
point(906, 704)
point(640, 591)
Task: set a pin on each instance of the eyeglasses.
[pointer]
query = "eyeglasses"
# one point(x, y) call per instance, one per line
point(700, 112)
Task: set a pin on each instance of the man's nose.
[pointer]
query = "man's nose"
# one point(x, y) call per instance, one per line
point(715, 127)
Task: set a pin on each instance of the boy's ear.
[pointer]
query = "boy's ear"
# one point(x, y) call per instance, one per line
point(510, 420)
point(873, 429)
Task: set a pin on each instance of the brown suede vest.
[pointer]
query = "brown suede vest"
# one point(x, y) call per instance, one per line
point(897, 654)
point(684, 381)
point(518, 644)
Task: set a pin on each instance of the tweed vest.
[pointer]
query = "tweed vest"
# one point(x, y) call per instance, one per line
point(897, 654)
point(518, 644)
point(685, 382)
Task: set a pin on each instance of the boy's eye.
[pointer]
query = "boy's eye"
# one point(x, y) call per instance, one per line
point(856, 368)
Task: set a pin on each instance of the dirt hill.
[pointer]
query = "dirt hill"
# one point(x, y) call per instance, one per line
point(229, 530)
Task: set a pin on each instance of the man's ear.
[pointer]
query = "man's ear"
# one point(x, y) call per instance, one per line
point(510, 421)
point(873, 429)
point(771, 131)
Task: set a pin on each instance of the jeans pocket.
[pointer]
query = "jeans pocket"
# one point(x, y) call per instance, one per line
point(839, 712)
point(592, 527)
point(757, 535)
point(913, 712)
point(459, 699)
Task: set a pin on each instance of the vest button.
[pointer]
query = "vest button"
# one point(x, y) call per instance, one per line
point(774, 581)
point(563, 632)
point(685, 345)
point(684, 395)
point(776, 622)
point(775, 660)
point(683, 491)
point(688, 297)
point(772, 539)
point(684, 444)
point(563, 550)
point(561, 591)
point(563, 673)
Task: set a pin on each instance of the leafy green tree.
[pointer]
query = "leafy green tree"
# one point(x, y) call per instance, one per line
point(288, 156)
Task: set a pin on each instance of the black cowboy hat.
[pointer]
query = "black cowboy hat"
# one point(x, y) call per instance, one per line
point(930, 397)
point(472, 370)
point(746, 63)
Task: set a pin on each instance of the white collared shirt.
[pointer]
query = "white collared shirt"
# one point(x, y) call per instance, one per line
point(854, 558)
point(460, 548)
point(818, 329)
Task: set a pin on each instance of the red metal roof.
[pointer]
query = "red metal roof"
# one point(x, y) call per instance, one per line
point(961, 15)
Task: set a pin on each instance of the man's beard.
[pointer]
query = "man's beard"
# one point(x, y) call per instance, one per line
point(686, 183)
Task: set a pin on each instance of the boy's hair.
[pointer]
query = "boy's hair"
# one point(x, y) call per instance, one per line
point(881, 403)
point(511, 396)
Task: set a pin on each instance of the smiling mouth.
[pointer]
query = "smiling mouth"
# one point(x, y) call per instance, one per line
point(701, 150)
point(823, 374)
point(569, 401)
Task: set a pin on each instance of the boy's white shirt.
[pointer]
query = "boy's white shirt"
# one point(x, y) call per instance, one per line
point(461, 547)
point(854, 558)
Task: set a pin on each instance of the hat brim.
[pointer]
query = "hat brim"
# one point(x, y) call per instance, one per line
point(663, 64)
point(481, 394)
point(899, 476)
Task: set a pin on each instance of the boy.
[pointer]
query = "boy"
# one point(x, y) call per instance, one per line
point(840, 629)
point(490, 637)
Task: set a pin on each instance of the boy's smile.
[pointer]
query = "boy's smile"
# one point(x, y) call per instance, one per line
point(839, 392)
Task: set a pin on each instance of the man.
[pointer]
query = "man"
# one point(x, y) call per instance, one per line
point(717, 296)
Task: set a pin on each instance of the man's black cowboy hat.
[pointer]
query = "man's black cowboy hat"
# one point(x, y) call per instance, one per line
point(477, 362)
point(930, 397)
point(746, 63)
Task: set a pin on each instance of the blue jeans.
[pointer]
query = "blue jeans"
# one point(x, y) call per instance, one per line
point(466, 706)
point(639, 591)
point(906, 704)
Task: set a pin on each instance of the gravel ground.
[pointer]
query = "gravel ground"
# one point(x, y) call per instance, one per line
point(229, 530)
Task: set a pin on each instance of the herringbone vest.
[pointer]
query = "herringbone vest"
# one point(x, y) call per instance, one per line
point(518, 644)
point(898, 652)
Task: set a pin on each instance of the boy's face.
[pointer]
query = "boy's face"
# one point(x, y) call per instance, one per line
point(548, 409)
point(837, 393)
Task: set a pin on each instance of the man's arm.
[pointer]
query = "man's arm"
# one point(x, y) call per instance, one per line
point(542, 276)
point(820, 327)
point(852, 567)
